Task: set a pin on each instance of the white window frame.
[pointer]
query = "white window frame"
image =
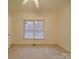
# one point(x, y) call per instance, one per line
point(33, 30)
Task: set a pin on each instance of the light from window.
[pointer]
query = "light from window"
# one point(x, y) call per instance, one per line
point(34, 29)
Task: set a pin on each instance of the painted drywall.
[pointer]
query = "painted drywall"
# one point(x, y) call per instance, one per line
point(9, 29)
point(56, 27)
point(49, 27)
point(64, 27)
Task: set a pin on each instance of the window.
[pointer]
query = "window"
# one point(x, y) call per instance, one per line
point(33, 29)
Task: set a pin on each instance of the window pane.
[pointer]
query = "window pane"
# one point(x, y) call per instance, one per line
point(29, 25)
point(28, 34)
point(34, 29)
point(38, 25)
point(39, 35)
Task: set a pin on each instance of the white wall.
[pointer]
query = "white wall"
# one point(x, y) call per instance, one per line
point(49, 27)
point(56, 27)
point(9, 30)
point(64, 27)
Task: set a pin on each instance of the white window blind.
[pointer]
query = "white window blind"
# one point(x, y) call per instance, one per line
point(34, 29)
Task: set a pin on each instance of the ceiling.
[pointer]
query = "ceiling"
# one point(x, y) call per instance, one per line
point(44, 5)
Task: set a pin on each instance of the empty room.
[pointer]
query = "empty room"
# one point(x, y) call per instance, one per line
point(39, 29)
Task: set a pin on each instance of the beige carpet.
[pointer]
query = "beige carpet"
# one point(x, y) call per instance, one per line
point(36, 53)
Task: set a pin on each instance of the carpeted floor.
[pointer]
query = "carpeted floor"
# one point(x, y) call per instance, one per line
point(36, 53)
